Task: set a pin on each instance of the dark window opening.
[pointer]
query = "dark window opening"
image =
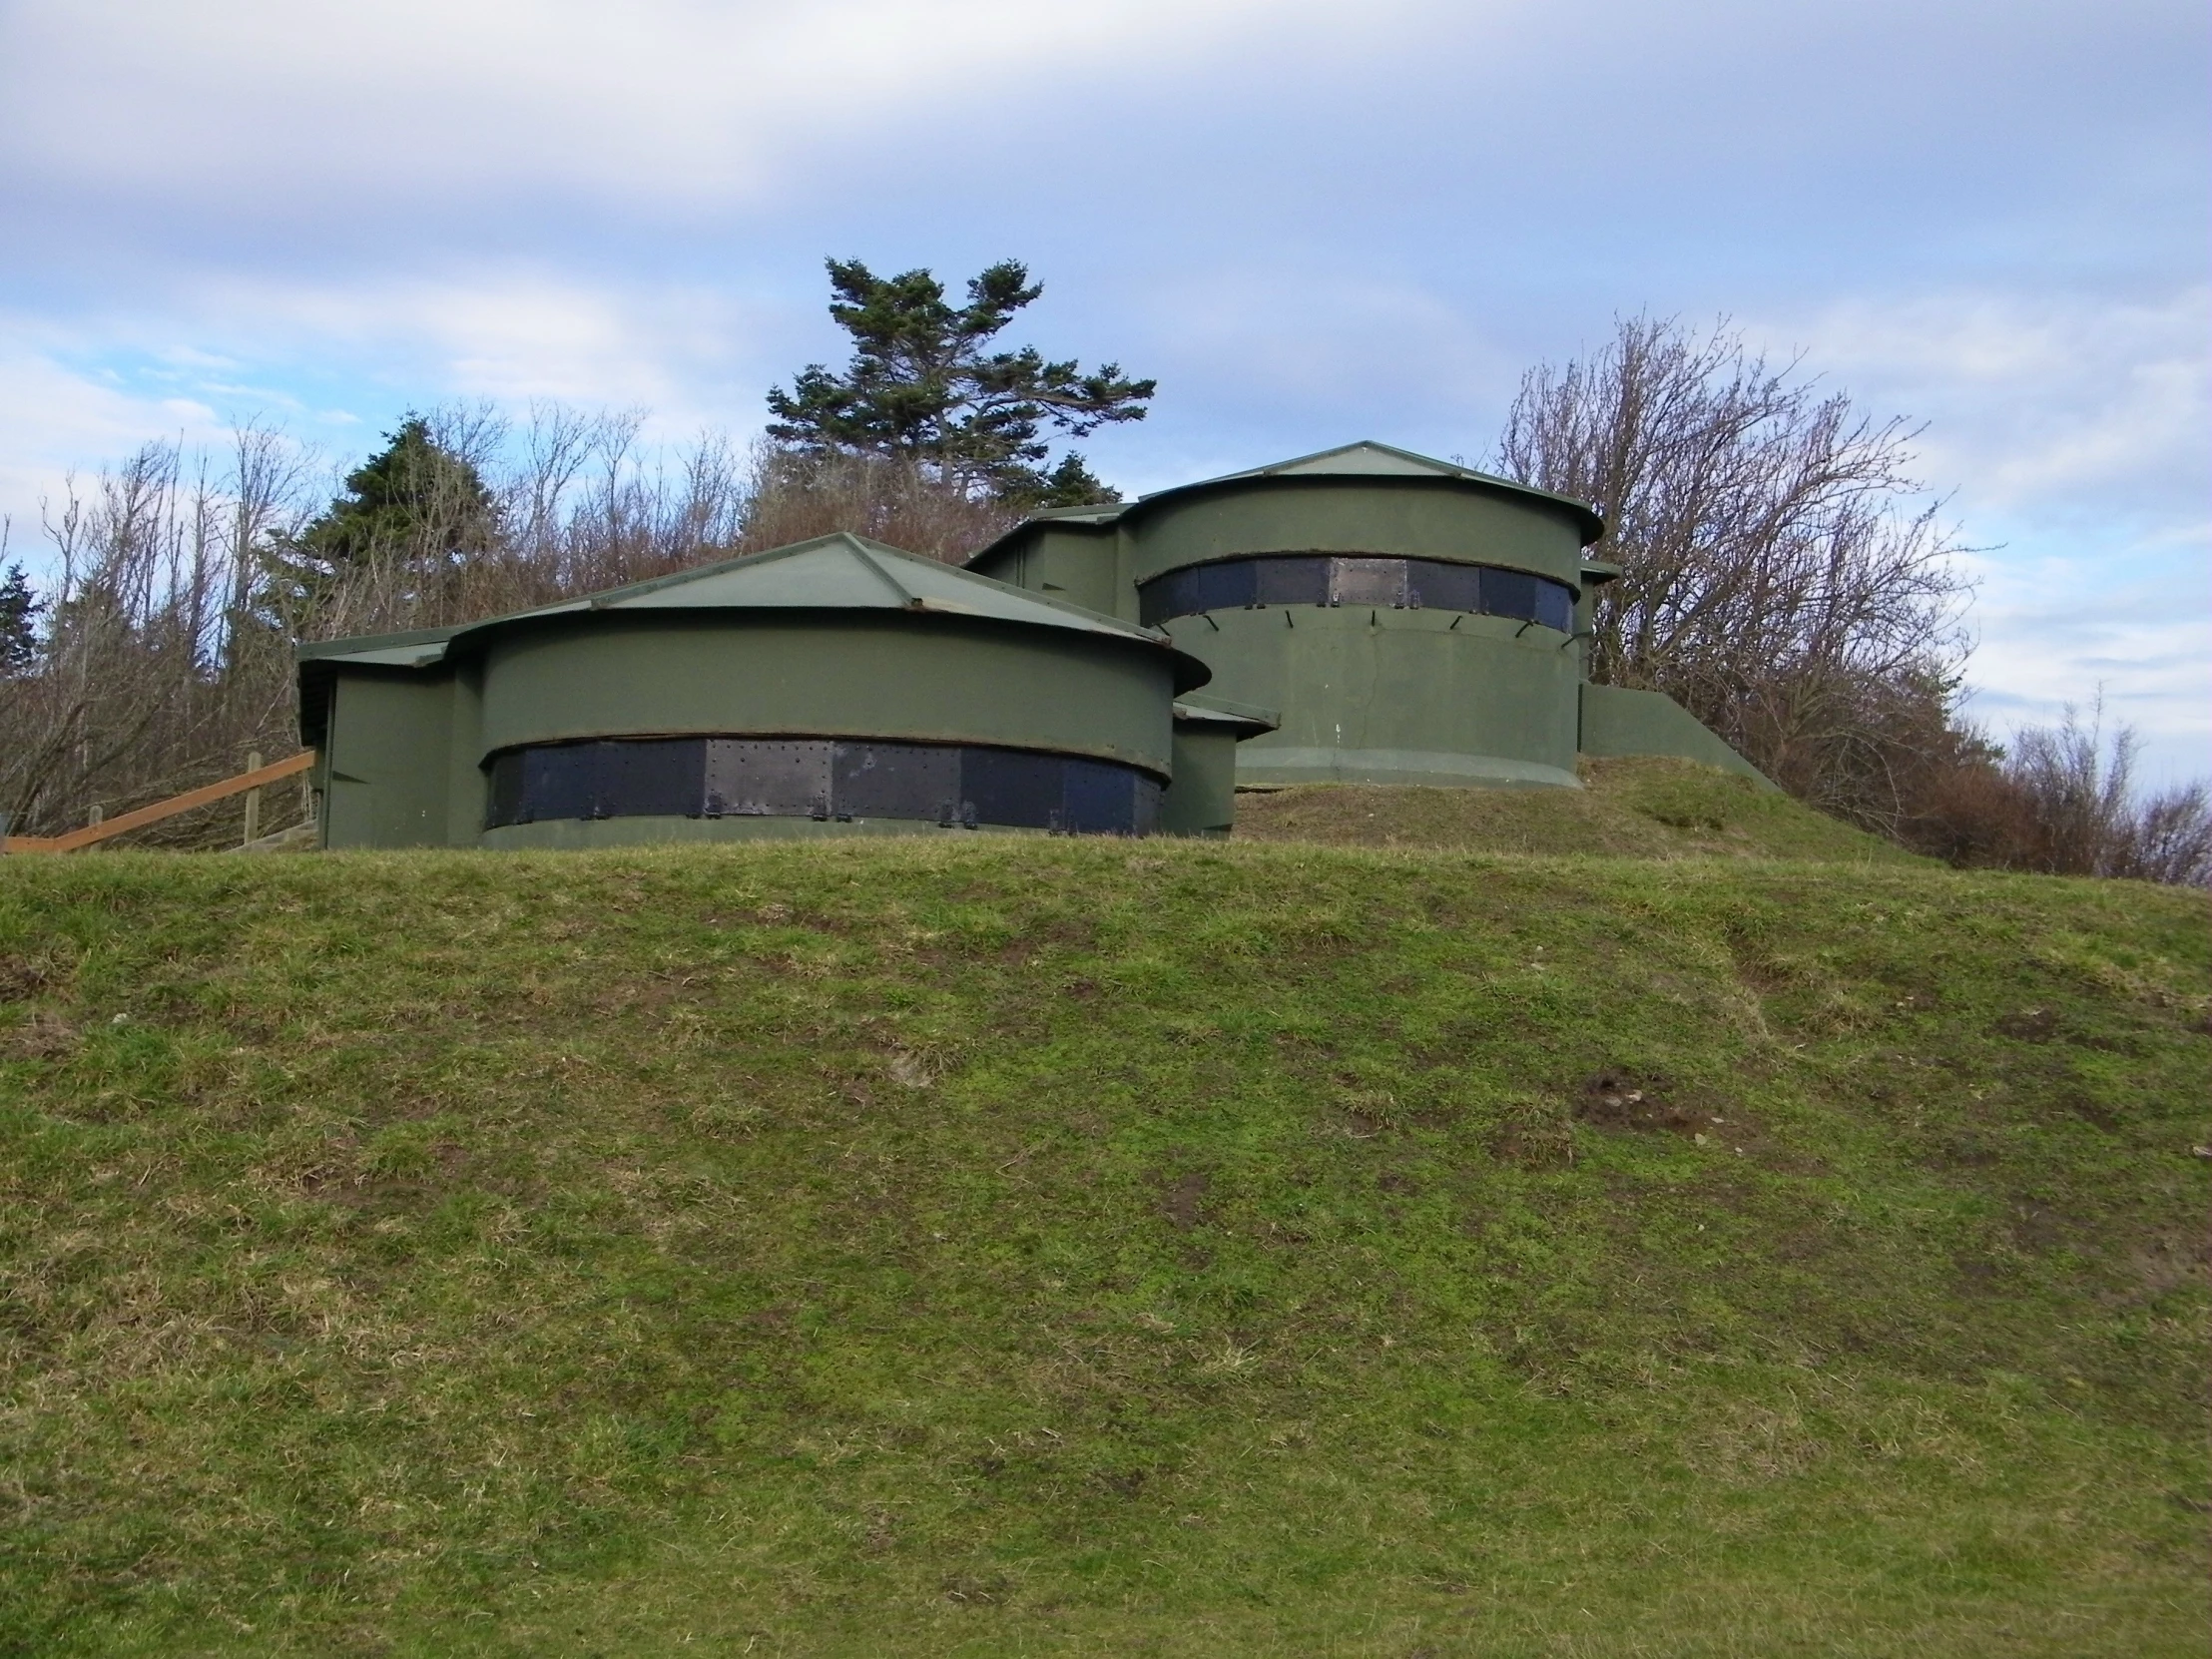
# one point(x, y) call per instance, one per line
point(1344, 579)
point(821, 777)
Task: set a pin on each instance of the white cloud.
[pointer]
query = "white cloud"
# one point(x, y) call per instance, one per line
point(55, 421)
point(2057, 633)
point(514, 336)
point(680, 98)
point(78, 398)
point(2070, 430)
point(2036, 401)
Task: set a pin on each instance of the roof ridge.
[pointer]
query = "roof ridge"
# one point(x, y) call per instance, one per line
point(867, 553)
point(1418, 466)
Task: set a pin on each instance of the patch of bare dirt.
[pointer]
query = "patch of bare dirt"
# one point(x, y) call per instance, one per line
point(1617, 1100)
point(2029, 1025)
point(44, 1036)
point(2092, 1112)
point(1184, 1200)
point(20, 980)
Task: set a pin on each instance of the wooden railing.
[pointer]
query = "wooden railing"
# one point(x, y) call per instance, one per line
point(175, 804)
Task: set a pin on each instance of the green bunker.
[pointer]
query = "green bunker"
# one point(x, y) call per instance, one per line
point(1411, 620)
point(1362, 616)
point(838, 687)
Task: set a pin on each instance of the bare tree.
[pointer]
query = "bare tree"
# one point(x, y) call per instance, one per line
point(2077, 811)
point(1783, 575)
point(793, 496)
point(182, 582)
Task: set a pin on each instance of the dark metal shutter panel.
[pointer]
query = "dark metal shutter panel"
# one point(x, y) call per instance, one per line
point(1510, 593)
point(1099, 799)
point(556, 783)
point(654, 777)
point(1366, 582)
point(895, 779)
point(1223, 586)
point(504, 803)
point(1555, 605)
point(1004, 785)
point(1145, 815)
point(769, 777)
point(1436, 585)
point(1292, 579)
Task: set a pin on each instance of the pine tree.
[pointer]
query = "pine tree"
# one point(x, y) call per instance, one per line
point(19, 611)
point(414, 508)
point(922, 387)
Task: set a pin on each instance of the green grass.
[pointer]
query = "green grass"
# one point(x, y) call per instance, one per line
point(1630, 809)
point(1024, 1247)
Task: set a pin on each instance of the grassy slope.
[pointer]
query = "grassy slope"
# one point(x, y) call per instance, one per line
point(1631, 809)
point(1022, 1247)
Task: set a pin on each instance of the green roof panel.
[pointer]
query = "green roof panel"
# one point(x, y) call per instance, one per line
point(840, 572)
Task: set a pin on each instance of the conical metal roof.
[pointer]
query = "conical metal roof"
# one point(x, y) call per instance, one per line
point(1363, 459)
point(838, 572)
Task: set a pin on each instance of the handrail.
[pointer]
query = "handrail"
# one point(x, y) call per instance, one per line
point(175, 804)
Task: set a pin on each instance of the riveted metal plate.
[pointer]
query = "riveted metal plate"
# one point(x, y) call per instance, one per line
point(897, 780)
point(769, 777)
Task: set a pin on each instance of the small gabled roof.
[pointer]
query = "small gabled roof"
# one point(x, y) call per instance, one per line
point(838, 572)
point(1364, 459)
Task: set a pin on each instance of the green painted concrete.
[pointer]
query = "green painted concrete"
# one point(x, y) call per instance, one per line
point(1395, 696)
point(383, 773)
point(840, 637)
point(571, 834)
point(1080, 565)
point(1202, 798)
point(1407, 518)
point(1618, 721)
point(936, 680)
point(1371, 697)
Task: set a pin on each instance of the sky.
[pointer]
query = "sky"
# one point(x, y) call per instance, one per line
point(1311, 223)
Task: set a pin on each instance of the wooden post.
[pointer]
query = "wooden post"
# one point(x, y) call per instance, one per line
point(253, 801)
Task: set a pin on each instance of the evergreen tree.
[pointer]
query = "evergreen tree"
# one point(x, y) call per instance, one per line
point(921, 386)
point(19, 610)
point(416, 506)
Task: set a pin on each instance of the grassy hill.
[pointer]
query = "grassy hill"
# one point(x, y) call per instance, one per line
point(1034, 1247)
point(1630, 809)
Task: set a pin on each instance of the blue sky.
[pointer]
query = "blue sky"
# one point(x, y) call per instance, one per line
point(1311, 221)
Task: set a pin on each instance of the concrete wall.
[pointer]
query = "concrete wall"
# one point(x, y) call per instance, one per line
point(1617, 721)
point(384, 769)
point(1202, 798)
point(1077, 563)
point(1366, 695)
point(404, 754)
point(1407, 518)
point(868, 676)
point(1374, 696)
